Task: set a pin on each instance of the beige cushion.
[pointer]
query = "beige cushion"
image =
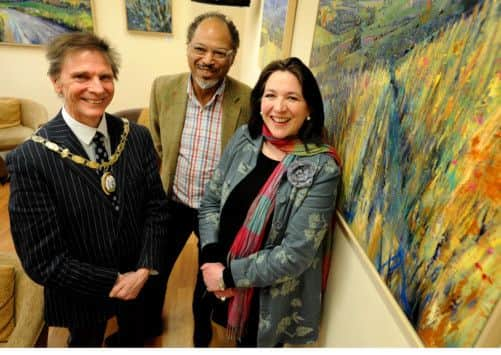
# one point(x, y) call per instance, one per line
point(7, 276)
point(13, 136)
point(10, 112)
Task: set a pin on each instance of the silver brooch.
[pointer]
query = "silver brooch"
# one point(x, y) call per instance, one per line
point(300, 173)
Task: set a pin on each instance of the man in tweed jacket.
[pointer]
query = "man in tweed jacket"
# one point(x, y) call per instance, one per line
point(90, 232)
point(192, 117)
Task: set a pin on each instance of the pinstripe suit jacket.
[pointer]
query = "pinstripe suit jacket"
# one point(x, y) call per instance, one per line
point(65, 231)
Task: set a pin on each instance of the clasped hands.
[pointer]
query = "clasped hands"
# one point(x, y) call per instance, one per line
point(213, 275)
point(128, 285)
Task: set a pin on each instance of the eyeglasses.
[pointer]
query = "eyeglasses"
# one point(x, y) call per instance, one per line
point(200, 50)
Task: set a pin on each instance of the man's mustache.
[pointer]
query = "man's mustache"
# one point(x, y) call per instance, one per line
point(206, 67)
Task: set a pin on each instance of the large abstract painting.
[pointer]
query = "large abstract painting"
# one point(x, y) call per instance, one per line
point(412, 91)
point(37, 21)
point(276, 29)
point(149, 15)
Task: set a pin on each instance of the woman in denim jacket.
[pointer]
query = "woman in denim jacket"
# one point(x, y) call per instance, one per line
point(266, 213)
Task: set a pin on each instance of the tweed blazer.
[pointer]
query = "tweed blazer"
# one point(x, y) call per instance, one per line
point(168, 111)
point(65, 230)
point(287, 271)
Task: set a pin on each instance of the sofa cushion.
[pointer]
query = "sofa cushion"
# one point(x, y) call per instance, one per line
point(10, 112)
point(7, 278)
point(144, 117)
point(13, 136)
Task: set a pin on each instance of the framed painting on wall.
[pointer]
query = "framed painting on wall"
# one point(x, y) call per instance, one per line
point(36, 22)
point(276, 30)
point(153, 16)
point(412, 101)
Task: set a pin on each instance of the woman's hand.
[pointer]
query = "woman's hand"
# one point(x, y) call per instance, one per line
point(223, 295)
point(213, 276)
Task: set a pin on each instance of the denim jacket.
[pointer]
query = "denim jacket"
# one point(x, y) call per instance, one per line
point(287, 271)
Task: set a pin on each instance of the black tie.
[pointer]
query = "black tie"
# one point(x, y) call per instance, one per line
point(102, 156)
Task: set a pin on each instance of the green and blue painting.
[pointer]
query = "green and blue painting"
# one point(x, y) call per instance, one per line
point(149, 15)
point(412, 98)
point(37, 21)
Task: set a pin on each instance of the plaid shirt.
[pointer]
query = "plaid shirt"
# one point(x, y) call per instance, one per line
point(200, 147)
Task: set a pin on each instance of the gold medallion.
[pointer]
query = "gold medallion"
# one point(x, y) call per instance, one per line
point(108, 183)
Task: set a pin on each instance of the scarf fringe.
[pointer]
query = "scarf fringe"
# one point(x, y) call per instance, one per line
point(233, 333)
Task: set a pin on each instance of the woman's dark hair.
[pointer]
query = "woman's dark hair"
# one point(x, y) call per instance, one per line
point(311, 131)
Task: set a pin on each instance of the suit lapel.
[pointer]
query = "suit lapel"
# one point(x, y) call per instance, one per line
point(231, 112)
point(59, 132)
point(177, 100)
point(115, 126)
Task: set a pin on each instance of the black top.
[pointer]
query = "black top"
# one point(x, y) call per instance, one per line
point(232, 217)
point(235, 210)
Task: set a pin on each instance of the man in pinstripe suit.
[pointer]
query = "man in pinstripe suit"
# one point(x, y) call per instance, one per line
point(88, 222)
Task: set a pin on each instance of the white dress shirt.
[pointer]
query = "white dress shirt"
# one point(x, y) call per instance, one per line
point(85, 133)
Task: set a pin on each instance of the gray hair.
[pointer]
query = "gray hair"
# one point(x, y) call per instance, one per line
point(235, 38)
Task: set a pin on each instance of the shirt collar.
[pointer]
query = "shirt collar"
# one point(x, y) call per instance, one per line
point(219, 92)
point(83, 132)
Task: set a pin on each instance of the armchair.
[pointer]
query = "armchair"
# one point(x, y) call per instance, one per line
point(138, 115)
point(29, 329)
point(19, 118)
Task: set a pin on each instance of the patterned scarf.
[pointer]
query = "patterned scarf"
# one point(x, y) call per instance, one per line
point(250, 236)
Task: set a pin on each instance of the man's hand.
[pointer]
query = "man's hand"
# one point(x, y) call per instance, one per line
point(128, 285)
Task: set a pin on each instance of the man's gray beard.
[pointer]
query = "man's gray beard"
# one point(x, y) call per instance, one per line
point(206, 84)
